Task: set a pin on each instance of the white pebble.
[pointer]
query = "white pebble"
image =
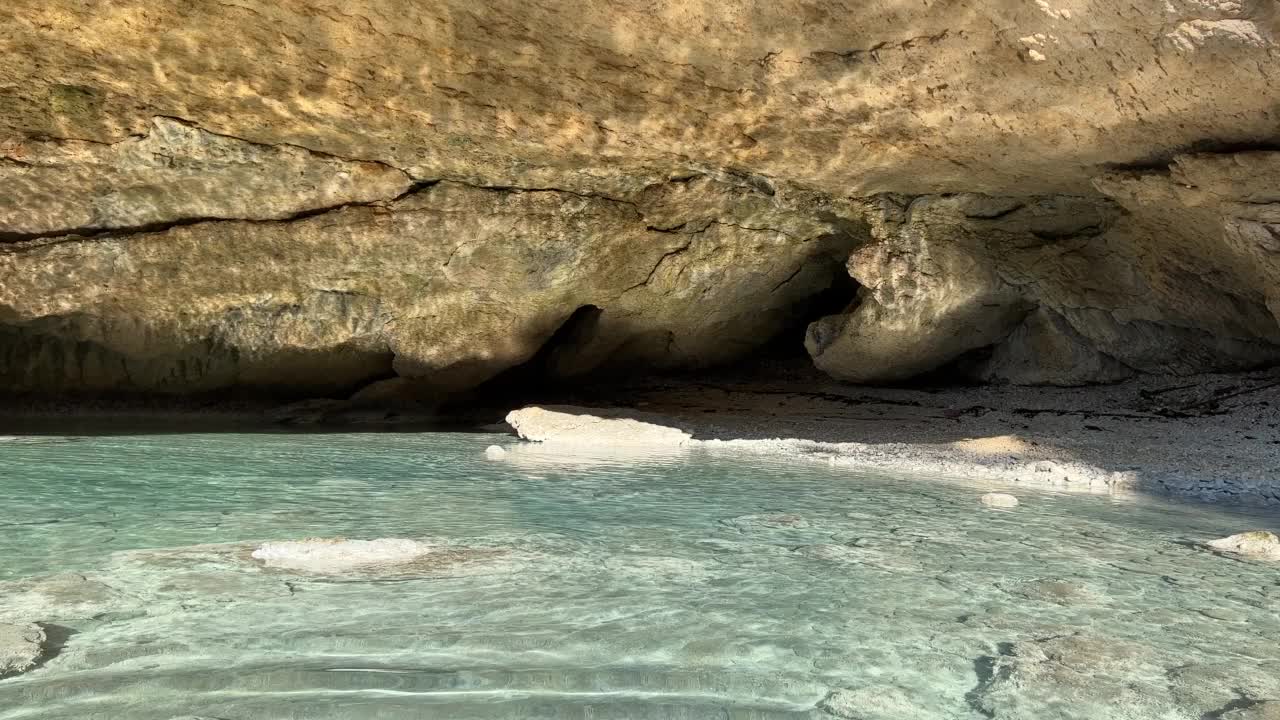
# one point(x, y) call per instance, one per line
point(494, 452)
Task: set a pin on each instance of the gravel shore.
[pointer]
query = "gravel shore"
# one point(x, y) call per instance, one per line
point(1208, 437)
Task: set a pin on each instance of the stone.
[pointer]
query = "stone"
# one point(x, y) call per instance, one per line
point(1255, 544)
point(769, 521)
point(582, 426)
point(21, 646)
point(1091, 675)
point(877, 702)
point(925, 300)
point(335, 556)
point(999, 500)
point(56, 598)
point(494, 452)
point(995, 445)
point(1255, 710)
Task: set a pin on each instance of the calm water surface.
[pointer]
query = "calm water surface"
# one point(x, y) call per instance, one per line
point(580, 585)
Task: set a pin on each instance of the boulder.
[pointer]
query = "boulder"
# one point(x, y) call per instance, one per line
point(1255, 544)
point(581, 426)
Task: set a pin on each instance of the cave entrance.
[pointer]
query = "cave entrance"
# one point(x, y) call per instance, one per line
point(537, 378)
point(785, 351)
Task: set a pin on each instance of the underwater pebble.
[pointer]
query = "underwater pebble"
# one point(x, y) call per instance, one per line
point(999, 500)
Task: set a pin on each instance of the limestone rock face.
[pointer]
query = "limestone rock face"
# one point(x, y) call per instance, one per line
point(448, 285)
point(309, 195)
point(176, 172)
point(1069, 290)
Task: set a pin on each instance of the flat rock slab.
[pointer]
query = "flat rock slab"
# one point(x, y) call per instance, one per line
point(21, 645)
point(325, 556)
point(582, 426)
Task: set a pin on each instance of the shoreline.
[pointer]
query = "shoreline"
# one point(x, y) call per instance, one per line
point(1212, 438)
point(1209, 438)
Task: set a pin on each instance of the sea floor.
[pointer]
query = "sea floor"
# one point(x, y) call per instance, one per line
point(579, 583)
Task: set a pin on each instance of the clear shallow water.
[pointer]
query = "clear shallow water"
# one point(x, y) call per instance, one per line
point(691, 585)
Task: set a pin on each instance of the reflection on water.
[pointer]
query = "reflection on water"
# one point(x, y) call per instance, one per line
point(580, 584)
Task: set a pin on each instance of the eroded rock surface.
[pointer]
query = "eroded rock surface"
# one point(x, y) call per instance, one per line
point(387, 190)
point(20, 647)
point(581, 426)
point(1064, 290)
point(1255, 544)
point(447, 286)
point(999, 500)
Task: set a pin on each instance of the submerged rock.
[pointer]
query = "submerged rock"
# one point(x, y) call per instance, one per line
point(55, 598)
point(1091, 675)
point(567, 424)
point(1206, 689)
point(21, 646)
point(999, 500)
point(383, 556)
point(1256, 544)
point(769, 521)
point(879, 702)
point(1255, 710)
point(327, 556)
point(495, 452)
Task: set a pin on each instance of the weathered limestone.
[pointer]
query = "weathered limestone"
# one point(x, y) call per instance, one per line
point(1255, 544)
point(20, 647)
point(1069, 290)
point(562, 424)
point(858, 99)
point(333, 556)
point(419, 196)
point(449, 286)
point(175, 173)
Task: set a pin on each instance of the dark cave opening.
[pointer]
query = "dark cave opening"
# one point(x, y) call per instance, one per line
point(785, 350)
point(537, 377)
point(538, 380)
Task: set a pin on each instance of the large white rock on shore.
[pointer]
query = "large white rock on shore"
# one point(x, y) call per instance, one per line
point(1256, 544)
point(565, 424)
point(21, 645)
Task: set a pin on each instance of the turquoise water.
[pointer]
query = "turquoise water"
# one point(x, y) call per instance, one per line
point(580, 585)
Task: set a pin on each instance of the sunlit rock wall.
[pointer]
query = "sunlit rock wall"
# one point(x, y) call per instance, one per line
point(314, 196)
